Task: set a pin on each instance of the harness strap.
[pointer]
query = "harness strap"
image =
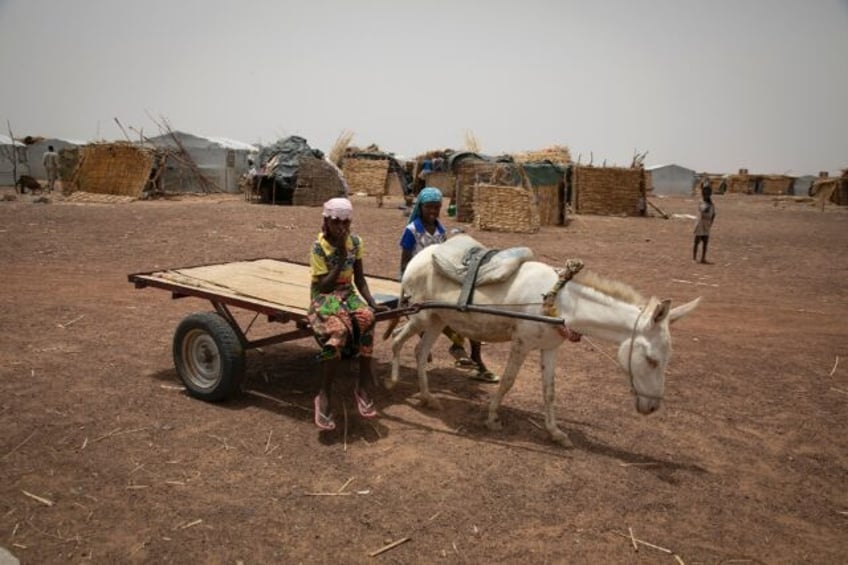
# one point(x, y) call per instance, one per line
point(475, 260)
point(572, 267)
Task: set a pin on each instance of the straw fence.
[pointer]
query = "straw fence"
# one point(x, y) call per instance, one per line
point(114, 168)
point(470, 172)
point(775, 184)
point(505, 208)
point(607, 191)
point(366, 175)
point(444, 181)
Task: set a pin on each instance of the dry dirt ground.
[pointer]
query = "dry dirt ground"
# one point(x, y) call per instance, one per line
point(104, 458)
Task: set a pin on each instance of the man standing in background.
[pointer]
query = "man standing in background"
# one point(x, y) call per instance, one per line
point(50, 160)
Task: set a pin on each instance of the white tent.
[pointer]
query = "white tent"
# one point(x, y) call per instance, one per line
point(35, 153)
point(221, 161)
point(12, 153)
point(670, 180)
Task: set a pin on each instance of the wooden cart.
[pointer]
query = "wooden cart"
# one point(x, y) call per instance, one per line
point(209, 347)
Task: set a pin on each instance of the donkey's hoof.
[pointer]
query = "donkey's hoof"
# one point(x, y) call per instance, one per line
point(560, 437)
point(494, 424)
point(430, 402)
point(389, 384)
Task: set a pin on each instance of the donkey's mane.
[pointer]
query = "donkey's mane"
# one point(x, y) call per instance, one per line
point(612, 288)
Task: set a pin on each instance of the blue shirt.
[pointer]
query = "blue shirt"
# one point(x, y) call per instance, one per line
point(416, 237)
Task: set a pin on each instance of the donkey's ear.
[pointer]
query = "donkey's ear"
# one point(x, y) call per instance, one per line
point(683, 310)
point(661, 311)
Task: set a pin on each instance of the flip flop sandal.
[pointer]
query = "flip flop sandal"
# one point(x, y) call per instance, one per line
point(486, 377)
point(366, 408)
point(465, 363)
point(323, 421)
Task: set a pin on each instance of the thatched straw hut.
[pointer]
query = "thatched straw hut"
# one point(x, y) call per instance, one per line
point(281, 175)
point(318, 180)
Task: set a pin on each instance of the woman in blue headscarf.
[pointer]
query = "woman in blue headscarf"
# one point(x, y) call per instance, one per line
point(423, 229)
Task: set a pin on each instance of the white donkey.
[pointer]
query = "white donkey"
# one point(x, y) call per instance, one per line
point(588, 304)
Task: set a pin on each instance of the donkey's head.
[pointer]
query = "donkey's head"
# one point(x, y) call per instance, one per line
point(645, 354)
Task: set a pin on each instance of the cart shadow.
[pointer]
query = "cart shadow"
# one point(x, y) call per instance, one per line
point(286, 380)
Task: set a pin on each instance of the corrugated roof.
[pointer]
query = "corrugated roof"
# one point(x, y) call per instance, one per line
point(232, 143)
point(662, 166)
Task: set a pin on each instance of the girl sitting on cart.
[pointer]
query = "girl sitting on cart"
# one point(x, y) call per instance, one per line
point(343, 324)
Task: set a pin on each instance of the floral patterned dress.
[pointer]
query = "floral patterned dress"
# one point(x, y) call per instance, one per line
point(342, 322)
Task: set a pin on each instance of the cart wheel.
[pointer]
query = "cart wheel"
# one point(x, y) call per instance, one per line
point(208, 356)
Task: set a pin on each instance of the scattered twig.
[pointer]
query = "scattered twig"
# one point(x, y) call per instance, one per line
point(42, 500)
point(327, 493)
point(84, 443)
point(839, 390)
point(277, 400)
point(344, 411)
point(385, 548)
point(678, 559)
point(268, 443)
point(172, 387)
point(344, 486)
point(645, 543)
point(227, 446)
point(835, 364)
point(19, 445)
point(697, 283)
point(189, 524)
point(662, 213)
point(74, 321)
point(376, 431)
point(118, 432)
point(535, 423)
point(632, 539)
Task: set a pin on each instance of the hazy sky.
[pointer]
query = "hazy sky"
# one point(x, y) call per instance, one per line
point(711, 85)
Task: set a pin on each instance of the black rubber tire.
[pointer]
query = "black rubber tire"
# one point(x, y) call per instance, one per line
point(208, 356)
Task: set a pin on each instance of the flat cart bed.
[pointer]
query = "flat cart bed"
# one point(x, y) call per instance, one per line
point(209, 347)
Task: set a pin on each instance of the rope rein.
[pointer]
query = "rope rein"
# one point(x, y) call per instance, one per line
point(572, 267)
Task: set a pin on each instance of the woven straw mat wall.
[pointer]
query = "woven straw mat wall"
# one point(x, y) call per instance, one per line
point(113, 168)
point(606, 191)
point(505, 208)
point(468, 173)
point(366, 175)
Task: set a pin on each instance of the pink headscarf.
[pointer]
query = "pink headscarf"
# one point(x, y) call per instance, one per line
point(338, 208)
